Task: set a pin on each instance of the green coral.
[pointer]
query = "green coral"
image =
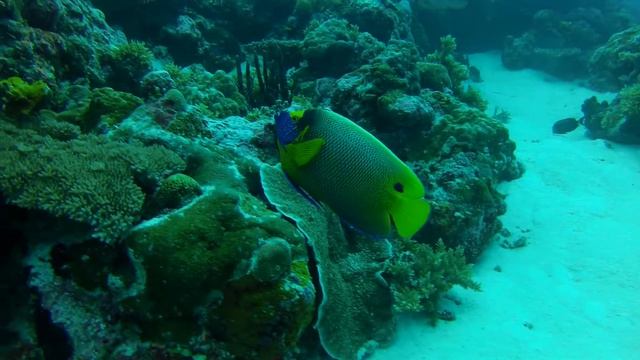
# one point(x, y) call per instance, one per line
point(630, 101)
point(215, 95)
point(420, 275)
point(266, 321)
point(134, 55)
point(99, 106)
point(176, 190)
point(433, 76)
point(618, 121)
point(89, 179)
point(446, 56)
point(129, 62)
point(110, 107)
point(20, 97)
point(190, 124)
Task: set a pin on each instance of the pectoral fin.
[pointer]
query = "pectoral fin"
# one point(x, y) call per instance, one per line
point(303, 152)
point(409, 216)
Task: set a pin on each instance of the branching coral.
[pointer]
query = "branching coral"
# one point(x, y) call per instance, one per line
point(420, 275)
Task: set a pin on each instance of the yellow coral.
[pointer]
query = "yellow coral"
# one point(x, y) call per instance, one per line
point(20, 97)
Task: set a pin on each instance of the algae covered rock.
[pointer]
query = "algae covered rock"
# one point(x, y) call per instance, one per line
point(406, 110)
point(617, 121)
point(271, 260)
point(101, 107)
point(434, 76)
point(109, 106)
point(617, 63)
point(21, 98)
point(191, 260)
point(334, 47)
point(562, 43)
point(464, 156)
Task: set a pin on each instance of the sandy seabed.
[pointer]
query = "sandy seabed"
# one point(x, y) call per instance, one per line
point(574, 291)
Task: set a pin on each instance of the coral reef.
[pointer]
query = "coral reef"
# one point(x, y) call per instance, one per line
point(176, 190)
point(20, 97)
point(200, 269)
point(145, 216)
point(617, 121)
point(420, 275)
point(355, 309)
point(616, 63)
point(54, 41)
point(89, 179)
point(562, 43)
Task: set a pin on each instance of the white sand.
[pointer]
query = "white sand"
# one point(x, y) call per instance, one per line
point(578, 280)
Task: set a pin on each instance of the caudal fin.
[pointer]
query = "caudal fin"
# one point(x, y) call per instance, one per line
point(409, 216)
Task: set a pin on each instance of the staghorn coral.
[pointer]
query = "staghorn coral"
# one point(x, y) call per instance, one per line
point(89, 179)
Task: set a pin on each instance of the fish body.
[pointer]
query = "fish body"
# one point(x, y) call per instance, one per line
point(565, 125)
point(342, 165)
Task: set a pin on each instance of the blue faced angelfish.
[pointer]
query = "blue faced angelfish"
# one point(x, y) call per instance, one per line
point(342, 165)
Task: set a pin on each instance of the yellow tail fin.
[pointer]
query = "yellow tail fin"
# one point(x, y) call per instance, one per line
point(409, 216)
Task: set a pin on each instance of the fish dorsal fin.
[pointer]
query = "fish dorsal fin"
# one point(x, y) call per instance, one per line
point(303, 152)
point(409, 216)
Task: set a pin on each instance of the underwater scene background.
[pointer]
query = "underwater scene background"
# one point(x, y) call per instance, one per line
point(201, 179)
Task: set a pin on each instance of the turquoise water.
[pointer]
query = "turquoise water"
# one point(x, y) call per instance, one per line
point(319, 179)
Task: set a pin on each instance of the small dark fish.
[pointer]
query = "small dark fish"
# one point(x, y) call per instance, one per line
point(565, 125)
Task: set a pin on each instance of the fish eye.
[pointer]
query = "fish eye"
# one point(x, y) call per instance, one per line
point(398, 187)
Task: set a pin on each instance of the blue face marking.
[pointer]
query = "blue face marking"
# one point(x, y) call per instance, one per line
point(286, 130)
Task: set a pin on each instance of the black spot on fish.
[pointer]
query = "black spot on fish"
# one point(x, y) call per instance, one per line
point(565, 125)
point(398, 187)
